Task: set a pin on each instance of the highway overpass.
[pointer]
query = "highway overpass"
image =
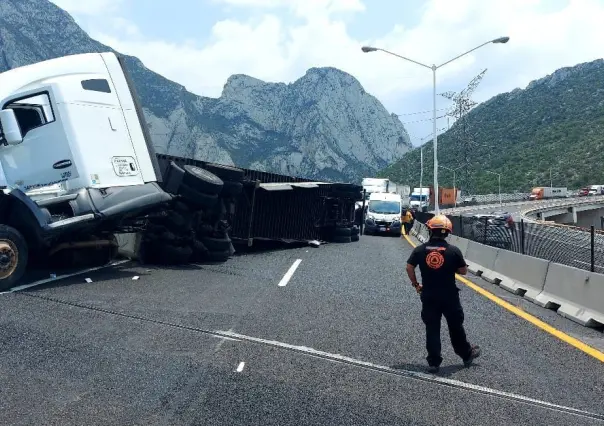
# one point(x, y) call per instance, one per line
point(581, 212)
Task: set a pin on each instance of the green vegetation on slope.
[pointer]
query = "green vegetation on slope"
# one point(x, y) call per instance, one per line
point(557, 123)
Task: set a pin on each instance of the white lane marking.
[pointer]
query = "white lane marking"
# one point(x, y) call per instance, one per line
point(288, 275)
point(240, 367)
point(415, 375)
point(62, 277)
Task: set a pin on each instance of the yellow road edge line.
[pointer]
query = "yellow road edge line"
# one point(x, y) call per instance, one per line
point(583, 347)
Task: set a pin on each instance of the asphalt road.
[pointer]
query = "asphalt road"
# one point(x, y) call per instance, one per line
point(341, 343)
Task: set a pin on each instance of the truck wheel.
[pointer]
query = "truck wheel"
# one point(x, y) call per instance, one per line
point(343, 232)
point(342, 239)
point(355, 237)
point(13, 257)
point(216, 244)
point(199, 199)
point(224, 172)
point(219, 256)
point(201, 180)
point(231, 189)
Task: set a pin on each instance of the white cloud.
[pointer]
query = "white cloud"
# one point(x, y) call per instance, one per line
point(88, 7)
point(308, 8)
point(542, 40)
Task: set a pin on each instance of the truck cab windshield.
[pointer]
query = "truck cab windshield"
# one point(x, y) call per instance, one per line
point(384, 207)
point(418, 197)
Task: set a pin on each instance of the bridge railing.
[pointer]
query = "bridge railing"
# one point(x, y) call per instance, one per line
point(577, 247)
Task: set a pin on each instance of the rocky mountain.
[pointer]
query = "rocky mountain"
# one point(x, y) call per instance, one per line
point(556, 124)
point(323, 126)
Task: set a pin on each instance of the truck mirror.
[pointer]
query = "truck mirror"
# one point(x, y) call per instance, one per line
point(10, 127)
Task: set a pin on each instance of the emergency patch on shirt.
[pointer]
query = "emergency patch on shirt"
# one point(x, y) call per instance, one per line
point(435, 260)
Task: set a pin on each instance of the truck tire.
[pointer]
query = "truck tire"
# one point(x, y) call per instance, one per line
point(196, 198)
point(200, 251)
point(355, 237)
point(219, 256)
point(231, 189)
point(343, 232)
point(13, 257)
point(216, 244)
point(354, 230)
point(342, 239)
point(201, 180)
point(225, 172)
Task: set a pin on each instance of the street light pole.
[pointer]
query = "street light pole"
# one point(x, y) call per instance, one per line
point(499, 180)
point(368, 49)
point(421, 177)
point(434, 144)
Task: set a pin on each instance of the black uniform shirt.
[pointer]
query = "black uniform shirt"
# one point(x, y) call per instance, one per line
point(438, 262)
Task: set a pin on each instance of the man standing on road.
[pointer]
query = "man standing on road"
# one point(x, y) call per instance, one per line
point(407, 221)
point(438, 262)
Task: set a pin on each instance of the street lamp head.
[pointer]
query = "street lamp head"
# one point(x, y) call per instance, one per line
point(501, 40)
point(367, 49)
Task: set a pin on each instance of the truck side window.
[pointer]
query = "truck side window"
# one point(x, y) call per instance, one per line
point(32, 112)
point(96, 85)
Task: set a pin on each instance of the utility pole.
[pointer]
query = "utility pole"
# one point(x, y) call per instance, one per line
point(421, 176)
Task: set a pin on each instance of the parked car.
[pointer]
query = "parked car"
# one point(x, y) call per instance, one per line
point(493, 229)
point(469, 201)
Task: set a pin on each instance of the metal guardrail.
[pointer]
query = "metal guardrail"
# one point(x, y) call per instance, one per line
point(577, 247)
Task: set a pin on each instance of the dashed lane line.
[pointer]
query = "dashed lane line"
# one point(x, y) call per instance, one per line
point(410, 374)
point(589, 350)
point(290, 273)
point(62, 277)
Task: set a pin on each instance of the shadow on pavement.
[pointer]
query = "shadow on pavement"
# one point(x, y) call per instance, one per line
point(445, 371)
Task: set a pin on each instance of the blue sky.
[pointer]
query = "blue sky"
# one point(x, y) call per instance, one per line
point(199, 43)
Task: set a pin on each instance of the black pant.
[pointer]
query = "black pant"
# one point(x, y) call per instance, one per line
point(449, 305)
point(407, 227)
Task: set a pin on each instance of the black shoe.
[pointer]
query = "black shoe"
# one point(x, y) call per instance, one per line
point(473, 355)
point(433, 369)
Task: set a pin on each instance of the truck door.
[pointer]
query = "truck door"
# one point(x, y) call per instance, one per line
point(44, 156)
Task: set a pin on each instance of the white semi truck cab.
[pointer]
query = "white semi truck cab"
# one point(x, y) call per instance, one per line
point(76, 120)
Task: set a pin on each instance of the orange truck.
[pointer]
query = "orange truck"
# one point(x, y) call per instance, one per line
point(545, 192)
point(446, 196)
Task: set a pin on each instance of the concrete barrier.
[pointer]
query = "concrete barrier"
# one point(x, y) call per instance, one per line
point(520, 274)
point(481, 259)
point(574, 293)
point(460, 243)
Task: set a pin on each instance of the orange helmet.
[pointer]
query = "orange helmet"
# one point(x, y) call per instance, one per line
point(441, 222)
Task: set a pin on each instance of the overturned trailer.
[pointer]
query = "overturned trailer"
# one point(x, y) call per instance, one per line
point(285, 208)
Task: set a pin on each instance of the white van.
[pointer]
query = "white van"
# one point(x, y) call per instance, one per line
point(384, 212)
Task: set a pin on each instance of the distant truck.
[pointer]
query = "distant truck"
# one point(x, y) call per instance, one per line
point(379, 185)
point(420, 198)
point(596, 190)
point(545, 192)
point(371, 185)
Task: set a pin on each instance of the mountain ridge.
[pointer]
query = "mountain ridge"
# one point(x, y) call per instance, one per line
point(556, 122)
point(323, 125)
